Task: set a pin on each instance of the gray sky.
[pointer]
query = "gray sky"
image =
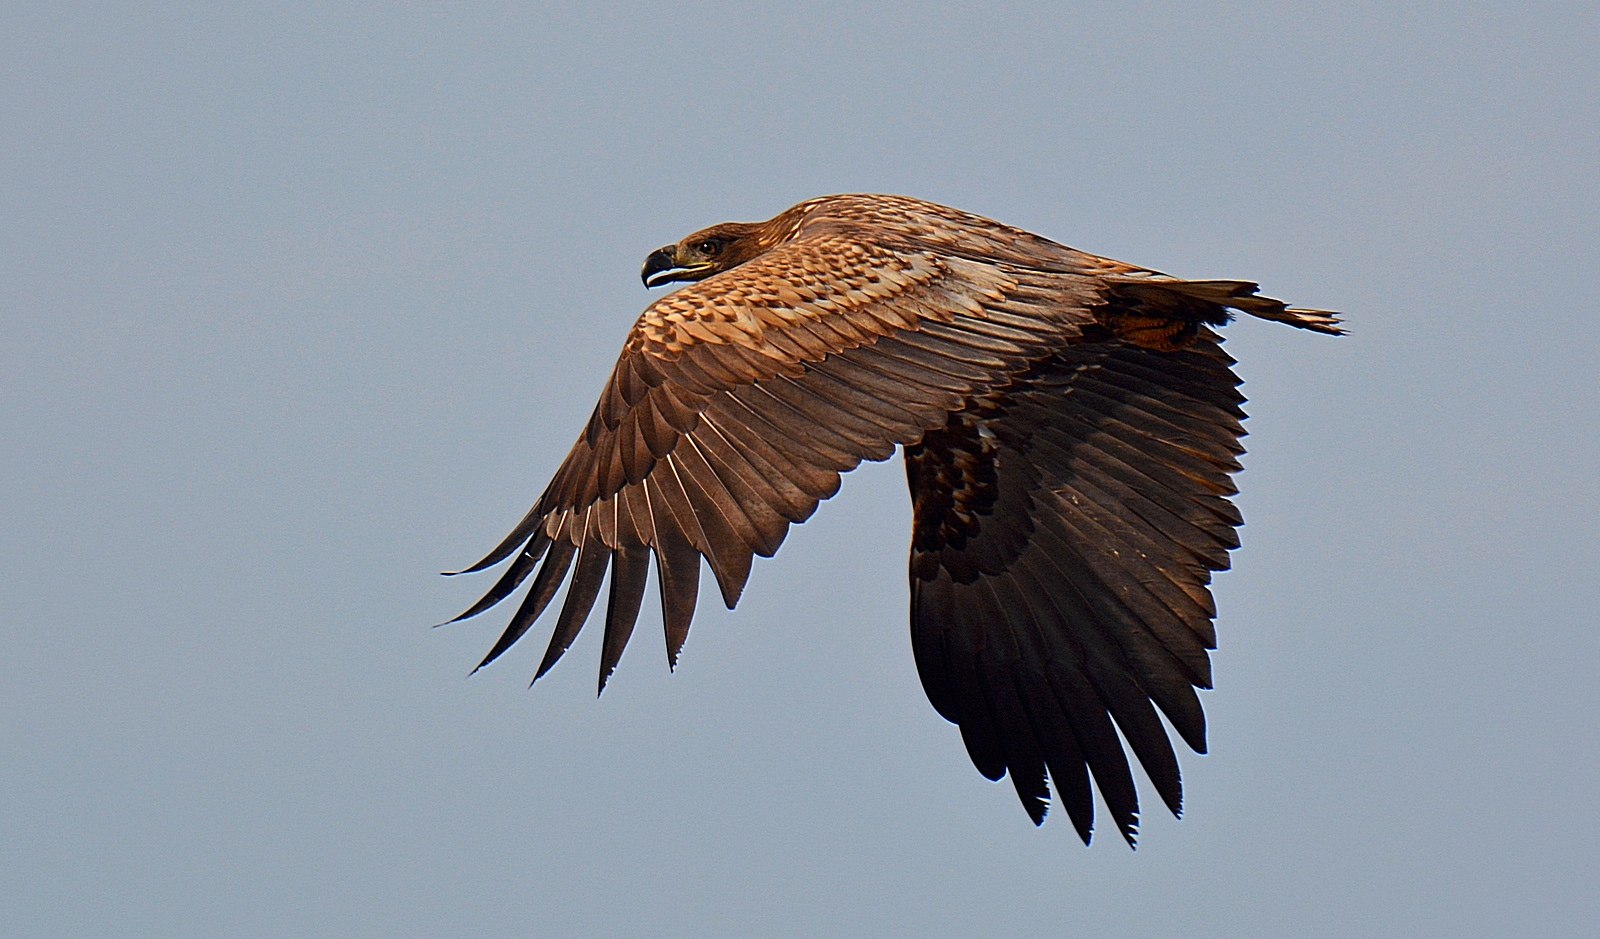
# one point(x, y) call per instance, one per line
point(300, 308)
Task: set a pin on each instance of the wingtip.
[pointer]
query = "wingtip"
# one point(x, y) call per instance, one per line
point(481, 565)
point(493, 654)
point(466, 614)
point(544, 668)
point(500, 553)
point(484, 564)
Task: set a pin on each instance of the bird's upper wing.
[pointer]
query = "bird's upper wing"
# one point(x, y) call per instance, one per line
point(739, 400)
point(1066, 529)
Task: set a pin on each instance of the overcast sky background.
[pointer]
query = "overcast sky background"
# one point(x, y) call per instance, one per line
point(299, 308)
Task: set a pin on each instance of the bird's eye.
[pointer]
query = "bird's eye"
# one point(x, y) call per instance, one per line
point(711, 247)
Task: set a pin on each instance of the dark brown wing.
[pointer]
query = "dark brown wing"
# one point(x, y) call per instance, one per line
point(739, 400)
point(1066, 530)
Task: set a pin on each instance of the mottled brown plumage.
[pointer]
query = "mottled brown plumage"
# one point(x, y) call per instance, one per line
point(1070, 424)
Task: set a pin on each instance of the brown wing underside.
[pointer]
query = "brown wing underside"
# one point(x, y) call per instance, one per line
point(1066, 530)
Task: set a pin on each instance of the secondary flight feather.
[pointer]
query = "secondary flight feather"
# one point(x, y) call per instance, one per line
point(1070, 424)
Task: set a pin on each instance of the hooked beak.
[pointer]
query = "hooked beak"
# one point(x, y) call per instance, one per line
point(659, 260)
point(662, 264)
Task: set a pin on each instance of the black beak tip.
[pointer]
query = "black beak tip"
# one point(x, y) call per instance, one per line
point(659, 260)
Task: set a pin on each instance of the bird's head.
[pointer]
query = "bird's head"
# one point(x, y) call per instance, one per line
point(706, 252)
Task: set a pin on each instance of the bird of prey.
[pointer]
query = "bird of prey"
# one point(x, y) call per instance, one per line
point(1070, 424)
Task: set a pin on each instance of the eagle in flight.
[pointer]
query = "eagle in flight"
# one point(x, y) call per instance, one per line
point(1070, 424)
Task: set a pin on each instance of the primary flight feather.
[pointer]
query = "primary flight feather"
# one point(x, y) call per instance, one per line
point(1070, 425)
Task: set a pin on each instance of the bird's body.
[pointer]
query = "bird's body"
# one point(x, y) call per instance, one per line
point(1070, 424)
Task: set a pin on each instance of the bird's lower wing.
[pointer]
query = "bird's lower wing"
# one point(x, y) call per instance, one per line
point(1066, 528)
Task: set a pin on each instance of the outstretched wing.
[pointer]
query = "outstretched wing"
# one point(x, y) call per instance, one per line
point(739, 400)
point(1066, 528)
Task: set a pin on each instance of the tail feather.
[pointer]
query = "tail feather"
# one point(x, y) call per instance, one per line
point(1239, 295)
